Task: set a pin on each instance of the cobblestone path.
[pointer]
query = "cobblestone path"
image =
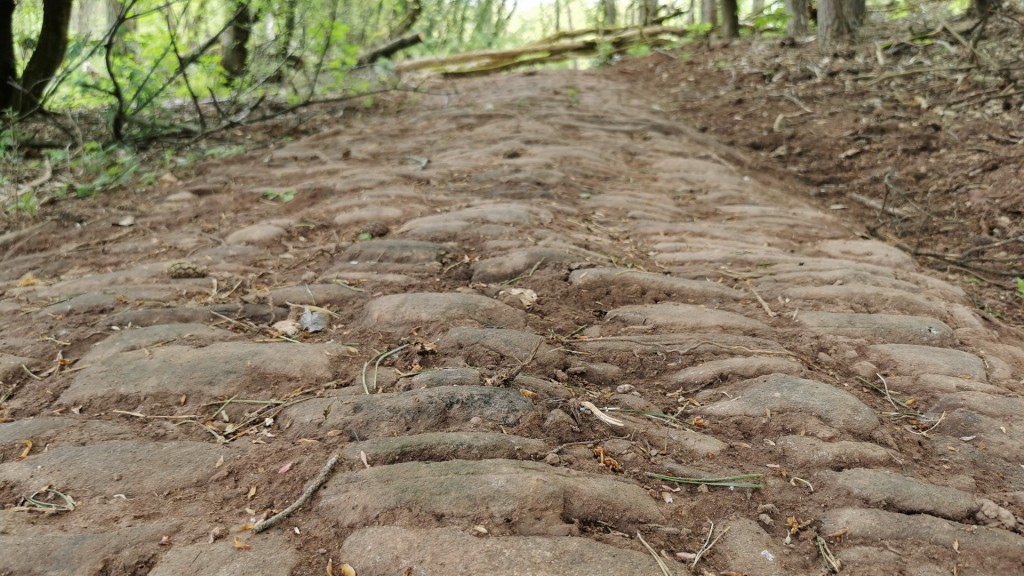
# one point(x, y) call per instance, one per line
point(504, 309)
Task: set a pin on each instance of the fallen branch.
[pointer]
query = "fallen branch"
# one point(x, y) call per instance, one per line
point(391, 48)
point(306, 495)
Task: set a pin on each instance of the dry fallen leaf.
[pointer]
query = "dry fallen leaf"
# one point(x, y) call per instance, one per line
point(165, 540)
point(220, 462)
point(346, 570)
point(252, 492)
point(29, 279)
point(330, 567)
point(284, 469)
point(407, 571)
point(239, 545)
point(215, 534)
point(26, 451)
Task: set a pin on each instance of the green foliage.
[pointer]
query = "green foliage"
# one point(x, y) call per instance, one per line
point(1020, 286)
point(99, 167)
point(773, 19)
point(282, 196)
point(639, 51)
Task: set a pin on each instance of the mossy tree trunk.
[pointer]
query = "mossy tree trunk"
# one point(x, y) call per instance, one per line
point(47, 57)
point(234, 57)
point(730, 19)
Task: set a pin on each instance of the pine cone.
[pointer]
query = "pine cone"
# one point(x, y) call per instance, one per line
point(186, 270)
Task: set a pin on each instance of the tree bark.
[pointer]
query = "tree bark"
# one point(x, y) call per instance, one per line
point(48, 55)
point(730, 19)
point(610, 12)
point(834, 22)
point(235, 53)
point(983, 8)
point(8, 65)
point(798, 12)
point(856, 12)
point(648, 11)
point(709, 12)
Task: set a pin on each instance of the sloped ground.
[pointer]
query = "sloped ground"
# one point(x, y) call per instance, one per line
point(496, 263)
point(914, 135)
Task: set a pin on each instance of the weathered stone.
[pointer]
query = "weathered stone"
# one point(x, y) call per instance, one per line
point(368, 214)
point(384, 551)
point(117, 467)
point(327, 295)
point(519, 262)
point(216, 370)
point(76, 553)
point(533, 498)
point(886, 328)
point(870, 251)
point(446, 377)
point(676, 316)
point(274, 554)
point(787, 394)
point(696, 291)
point(913, 360)
point(806, 452)
point(396, 251)
point(255, 234)
point(750, 550)
point(492, 346)
point(434, 446)
point(398, 313)
point(415, 411)
point(904, 494)
point(741, 367)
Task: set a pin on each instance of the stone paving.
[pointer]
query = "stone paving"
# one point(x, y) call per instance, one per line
point(537, 292)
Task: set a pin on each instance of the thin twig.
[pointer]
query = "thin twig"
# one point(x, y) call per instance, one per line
point(708, 543)
point(762, 302)
point(306, 495)
point(661, 563)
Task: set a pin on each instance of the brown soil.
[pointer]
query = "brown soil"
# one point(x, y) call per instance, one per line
point(532, 181)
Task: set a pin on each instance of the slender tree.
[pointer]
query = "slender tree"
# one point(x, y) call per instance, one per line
point(610, 12)
point(798, 16)
point(234, 55)
point(8, 65)
point(47, 57)
point(836, 21)
point(730, 19)
point(709, 12)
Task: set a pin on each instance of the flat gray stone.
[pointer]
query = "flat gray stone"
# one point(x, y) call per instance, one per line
point(220, 369)
point(388, 550)
point(398, 313)
point(76, 553)
point(368, 214)
point(117, 467)
point(255, 234)
point(676, 316)
point(11, 366)
point(807, 453)
point(493, 346)
point(744, 547)
point(519, 262)
point(446, 377)
point(788, 394)
point(131, 339)
point(988, 550)
point(439, 446)
point(903, 494)
point(638, 285)
point(326, 295)
point(530, 498)
point(863, 297)
point(395, 251)
point(870, 251)
point(735, 367)
point(911, 360)
point(415, 411)
point(885, 328)
point(273, 553)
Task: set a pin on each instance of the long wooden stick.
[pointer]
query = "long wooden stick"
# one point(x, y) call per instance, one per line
point(306, 495)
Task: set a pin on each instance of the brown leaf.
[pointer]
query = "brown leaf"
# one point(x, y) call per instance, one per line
point(407, 571)
point(26, 451)
point(252, 492)
point(239, 545)
point(346, 570)
point(330, 567)
point(284, 469)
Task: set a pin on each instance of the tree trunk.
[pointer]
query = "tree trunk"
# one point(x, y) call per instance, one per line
point(8, 65)
point(798, 12)
point(235, 53)
point(856, 12)
point(834, 21)
point(983, 8)
point(730, 19)
point(648, 11)
point(709, 12)
point(48, 55)
point(611, 14)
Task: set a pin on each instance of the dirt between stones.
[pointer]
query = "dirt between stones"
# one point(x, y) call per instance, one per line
point(538, 292)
